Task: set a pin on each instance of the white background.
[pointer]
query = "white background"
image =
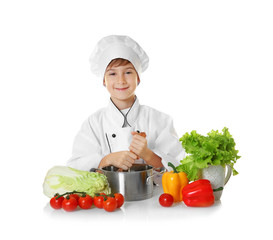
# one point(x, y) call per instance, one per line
point(210, 67)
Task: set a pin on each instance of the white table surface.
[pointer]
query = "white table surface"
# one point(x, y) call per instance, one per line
point(148, 209)
point(227, 218)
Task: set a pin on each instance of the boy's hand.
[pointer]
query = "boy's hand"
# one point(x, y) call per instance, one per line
point(123, 159)
point(139, 144)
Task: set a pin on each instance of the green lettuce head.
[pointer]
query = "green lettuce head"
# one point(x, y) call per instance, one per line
point(216, 148)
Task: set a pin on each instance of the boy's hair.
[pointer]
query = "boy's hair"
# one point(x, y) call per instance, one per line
point(118, 62)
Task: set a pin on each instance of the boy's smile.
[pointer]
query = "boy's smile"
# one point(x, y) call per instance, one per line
point(121, 83)
point(122, 89)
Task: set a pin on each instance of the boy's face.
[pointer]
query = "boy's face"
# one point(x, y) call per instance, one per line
point(121, 81)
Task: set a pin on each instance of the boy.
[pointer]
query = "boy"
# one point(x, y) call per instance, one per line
point(111, 136)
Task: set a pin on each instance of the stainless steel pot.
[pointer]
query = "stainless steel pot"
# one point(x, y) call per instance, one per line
point(134, 184)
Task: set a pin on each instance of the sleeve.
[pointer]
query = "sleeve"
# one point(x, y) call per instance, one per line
point(86, 153)
point(167, 145)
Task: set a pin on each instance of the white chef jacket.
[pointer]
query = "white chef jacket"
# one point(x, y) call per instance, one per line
point(109, 130)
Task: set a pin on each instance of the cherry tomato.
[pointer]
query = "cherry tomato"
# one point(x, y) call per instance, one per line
point(110, 204)
point(98, 201)
point(69, 204)
point(74, 195)
point(56, 203)
point(120, 199)
point(85, 202)
point(166, 200)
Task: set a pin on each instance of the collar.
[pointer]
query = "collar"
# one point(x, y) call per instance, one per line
point(119, 119)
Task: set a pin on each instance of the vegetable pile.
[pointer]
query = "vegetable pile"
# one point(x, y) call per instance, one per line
point(214, 149)
point(63, 179)
point(198, 193)
point(69, 201)
point(177, 189)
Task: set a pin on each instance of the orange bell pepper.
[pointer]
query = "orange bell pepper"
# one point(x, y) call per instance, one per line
point(173, 182)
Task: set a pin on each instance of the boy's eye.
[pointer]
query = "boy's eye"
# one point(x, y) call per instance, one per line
point(128, 72)
point(112, 74)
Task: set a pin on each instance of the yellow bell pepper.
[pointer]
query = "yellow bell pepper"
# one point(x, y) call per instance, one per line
point(173, 182)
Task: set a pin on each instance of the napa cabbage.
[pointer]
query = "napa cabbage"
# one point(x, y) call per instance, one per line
point(61, 179)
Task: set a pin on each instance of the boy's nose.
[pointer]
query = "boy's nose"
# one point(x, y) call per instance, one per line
point(121, 79)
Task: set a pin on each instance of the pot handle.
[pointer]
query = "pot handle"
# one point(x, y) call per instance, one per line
point(95, 170)
point(162, 170)
point(228, 174)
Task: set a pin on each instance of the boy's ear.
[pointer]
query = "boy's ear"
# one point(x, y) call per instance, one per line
point(104, 82)
point(138, 81)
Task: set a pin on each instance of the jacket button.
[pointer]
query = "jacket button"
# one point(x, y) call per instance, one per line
point(113, 135)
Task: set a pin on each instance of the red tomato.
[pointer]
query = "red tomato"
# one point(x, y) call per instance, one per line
point(98, 201)
point(120, 199)
point(110, 204)
point(56, 203)
point(166, 200)
point(69, 204)
point(74, 195)
point(85, 202)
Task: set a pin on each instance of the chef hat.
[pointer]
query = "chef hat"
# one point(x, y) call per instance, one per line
point(117, 46)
